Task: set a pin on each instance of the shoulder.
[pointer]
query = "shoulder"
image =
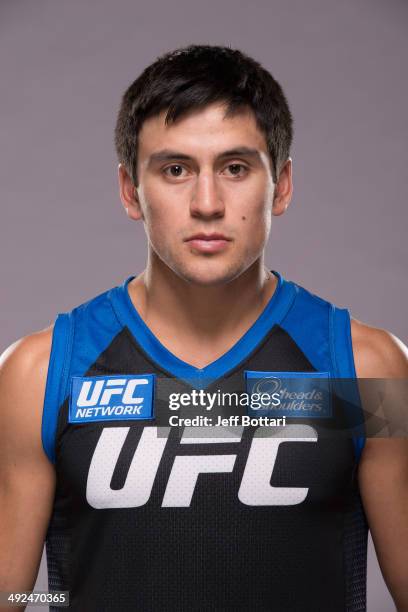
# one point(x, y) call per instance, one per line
point(27, 353)
point(377, 352)
point(23, 375)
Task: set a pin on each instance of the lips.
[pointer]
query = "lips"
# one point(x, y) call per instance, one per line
point(208, 243)
point(213, 236)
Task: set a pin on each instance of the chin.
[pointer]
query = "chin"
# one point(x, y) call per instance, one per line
point(208, 275)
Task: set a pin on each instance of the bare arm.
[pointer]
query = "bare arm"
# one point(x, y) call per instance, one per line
point(27, 478)
point(383, 469)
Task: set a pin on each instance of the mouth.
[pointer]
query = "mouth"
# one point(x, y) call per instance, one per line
point(208, 243)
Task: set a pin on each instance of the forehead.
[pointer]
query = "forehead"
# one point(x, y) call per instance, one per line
point(206, 131)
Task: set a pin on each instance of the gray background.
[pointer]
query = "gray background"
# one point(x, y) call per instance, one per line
point(64, 66)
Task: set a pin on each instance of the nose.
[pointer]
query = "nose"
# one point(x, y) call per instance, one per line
point(206, 200)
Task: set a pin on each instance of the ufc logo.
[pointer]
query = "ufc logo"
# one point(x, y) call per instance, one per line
point(100, 392)
point(255, 488)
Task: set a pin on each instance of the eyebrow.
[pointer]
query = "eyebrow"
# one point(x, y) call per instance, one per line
point(168, 154)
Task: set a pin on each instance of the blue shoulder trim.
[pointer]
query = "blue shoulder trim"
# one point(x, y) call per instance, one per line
point(95, 325)
point(341, 347)
point(307, 322)
point(343, 367)
point(58, 369)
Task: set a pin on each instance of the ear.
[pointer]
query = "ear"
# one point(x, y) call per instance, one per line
point(128, 194)
point(283, 189)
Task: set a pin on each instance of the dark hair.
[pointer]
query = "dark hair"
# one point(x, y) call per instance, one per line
point(194, 77)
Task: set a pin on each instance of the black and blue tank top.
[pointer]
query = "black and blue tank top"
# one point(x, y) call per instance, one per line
point(154, 519)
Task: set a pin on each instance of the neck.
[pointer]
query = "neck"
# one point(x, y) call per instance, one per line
point(166, 302)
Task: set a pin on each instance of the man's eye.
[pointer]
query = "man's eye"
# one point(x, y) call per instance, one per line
point(236, 170)
point(174, 171)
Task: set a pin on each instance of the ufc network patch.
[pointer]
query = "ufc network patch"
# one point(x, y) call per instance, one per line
point(107, 398)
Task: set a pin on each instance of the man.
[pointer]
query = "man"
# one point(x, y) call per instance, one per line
point(142, 517)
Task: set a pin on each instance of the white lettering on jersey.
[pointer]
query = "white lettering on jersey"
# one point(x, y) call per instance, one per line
point(84, 399)
point(116, 386)
point(186, 468)
point(142, 471)
point(255, 488)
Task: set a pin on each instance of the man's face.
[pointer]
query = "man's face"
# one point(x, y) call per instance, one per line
point(205, 192)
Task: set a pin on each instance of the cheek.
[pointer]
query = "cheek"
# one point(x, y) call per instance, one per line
point(256, 213)
point(255, 195)
point(161, 201)
point(160, 219)
point(254, 222)
point(155, 207)
point(255, 229)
